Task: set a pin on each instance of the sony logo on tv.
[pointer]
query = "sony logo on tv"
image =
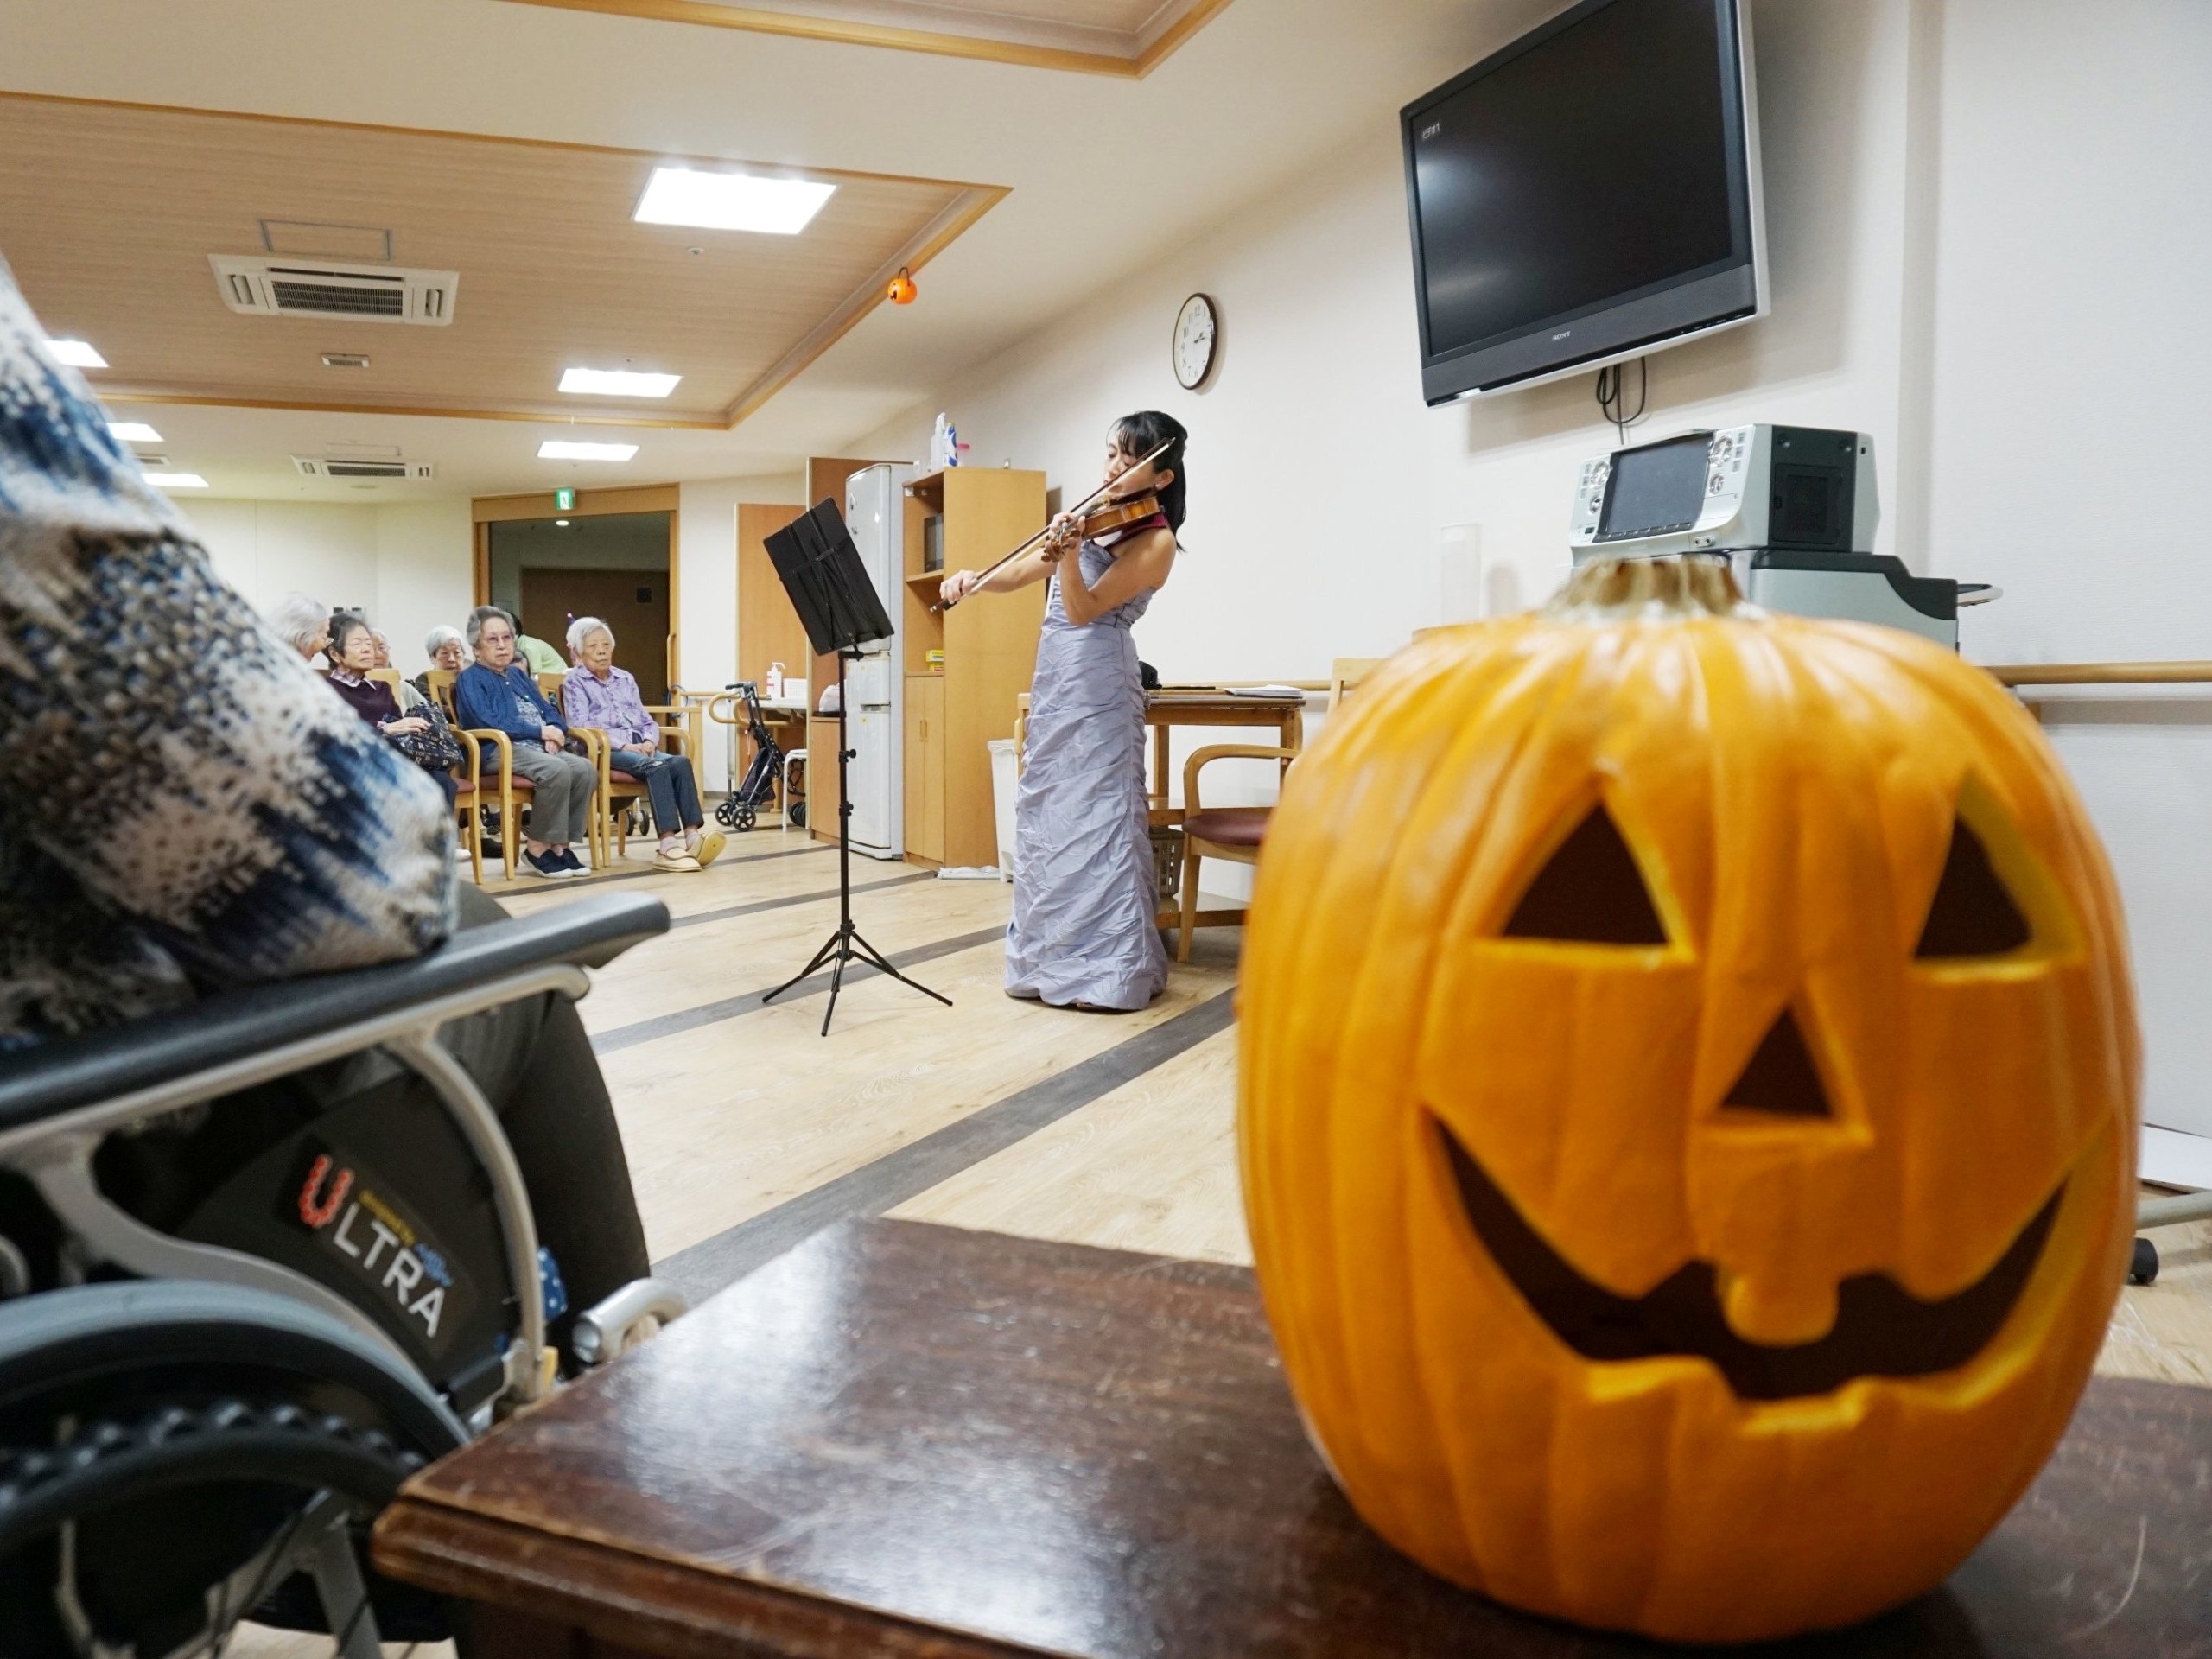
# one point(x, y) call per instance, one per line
point(1562, 334)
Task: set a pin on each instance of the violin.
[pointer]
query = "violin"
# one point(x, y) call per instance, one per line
point(1097, 513)
point(1105, 519)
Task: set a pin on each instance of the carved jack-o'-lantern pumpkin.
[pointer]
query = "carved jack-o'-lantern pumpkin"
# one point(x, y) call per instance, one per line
point(1687, 1107)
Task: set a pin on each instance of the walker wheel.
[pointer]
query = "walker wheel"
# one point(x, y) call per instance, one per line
point(726, 814)
point(2143, 1263)
point(746, 819)
point(797, 815)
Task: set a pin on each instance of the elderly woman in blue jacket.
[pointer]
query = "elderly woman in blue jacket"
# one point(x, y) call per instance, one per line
point(498, 693)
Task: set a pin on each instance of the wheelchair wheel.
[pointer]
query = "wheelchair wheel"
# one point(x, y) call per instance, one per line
point(158, 1532)
point(176, 1457)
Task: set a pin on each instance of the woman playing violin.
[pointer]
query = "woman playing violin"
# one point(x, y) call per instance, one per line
point(1084, 933)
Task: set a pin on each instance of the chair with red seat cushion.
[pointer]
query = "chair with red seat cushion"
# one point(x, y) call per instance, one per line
point(1233, 833)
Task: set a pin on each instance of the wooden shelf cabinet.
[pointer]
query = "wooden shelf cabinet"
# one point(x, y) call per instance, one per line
point(989, 644)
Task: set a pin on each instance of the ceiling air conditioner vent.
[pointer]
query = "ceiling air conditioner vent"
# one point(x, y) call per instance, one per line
point(277, 288)
point(325, 466)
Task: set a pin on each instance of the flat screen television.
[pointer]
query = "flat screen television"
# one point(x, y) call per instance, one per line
point(1588, 194)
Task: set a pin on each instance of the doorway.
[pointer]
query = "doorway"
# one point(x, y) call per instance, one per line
point(613, 566)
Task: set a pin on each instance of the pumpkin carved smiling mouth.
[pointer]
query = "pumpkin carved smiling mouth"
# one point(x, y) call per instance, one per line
point(1880, 1330)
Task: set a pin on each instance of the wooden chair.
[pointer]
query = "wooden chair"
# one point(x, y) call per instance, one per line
point(1236, 833)
point(618, 792)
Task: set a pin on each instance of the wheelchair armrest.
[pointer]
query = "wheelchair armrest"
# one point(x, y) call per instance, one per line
point(230, 1027)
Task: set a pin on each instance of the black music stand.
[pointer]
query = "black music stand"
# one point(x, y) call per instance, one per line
point(821, 570)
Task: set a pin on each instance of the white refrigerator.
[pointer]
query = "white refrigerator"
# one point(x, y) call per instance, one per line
point(876, 683)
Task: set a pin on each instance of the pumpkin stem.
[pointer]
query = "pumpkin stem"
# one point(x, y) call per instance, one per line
point(1680, 587)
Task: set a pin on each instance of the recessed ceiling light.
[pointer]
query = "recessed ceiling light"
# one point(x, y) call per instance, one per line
point(617, 383)
point(132, 432)
point(562, 449)
point(177, 480)
point(731, 201)
point(77, 353)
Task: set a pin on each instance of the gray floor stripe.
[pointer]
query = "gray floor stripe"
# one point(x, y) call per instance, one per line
point(757, 905)
point(891, 1179)
point(549, 888)
point(732, 1007)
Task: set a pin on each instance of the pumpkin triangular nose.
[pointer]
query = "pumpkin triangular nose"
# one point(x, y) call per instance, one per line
point(1781, 1078)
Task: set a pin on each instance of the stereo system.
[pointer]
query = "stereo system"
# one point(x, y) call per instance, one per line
point(1797, 504)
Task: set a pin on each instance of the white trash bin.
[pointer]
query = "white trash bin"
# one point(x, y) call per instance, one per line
point(1005, 779)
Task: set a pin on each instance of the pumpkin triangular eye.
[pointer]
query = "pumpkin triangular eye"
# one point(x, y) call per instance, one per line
point(1971, 914)
point(1780, 1077)
point(1590, 890)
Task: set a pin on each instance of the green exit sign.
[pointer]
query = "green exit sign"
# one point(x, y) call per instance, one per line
point(563, 500)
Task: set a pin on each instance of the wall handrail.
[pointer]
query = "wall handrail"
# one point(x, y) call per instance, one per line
point(2174, 673)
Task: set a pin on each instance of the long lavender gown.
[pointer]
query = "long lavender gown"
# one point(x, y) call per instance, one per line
point(1084, 902)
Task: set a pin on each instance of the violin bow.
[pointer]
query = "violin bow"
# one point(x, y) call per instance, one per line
point(1076, 511)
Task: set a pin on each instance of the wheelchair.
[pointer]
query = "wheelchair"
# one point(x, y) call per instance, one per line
point(199, 1421)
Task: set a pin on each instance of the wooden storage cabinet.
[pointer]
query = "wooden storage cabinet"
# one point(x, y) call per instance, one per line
point(989, 644)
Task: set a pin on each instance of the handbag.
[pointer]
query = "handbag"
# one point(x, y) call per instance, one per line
point(434, 750)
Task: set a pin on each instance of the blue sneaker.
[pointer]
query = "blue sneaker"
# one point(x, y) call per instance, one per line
point(570, 864)
point(547, 864)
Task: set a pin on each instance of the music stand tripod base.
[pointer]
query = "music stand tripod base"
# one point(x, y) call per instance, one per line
point(821, 570)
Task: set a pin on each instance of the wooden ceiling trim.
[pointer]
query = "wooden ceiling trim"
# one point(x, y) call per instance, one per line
point(123, 394)
point(786, 169)
point(935, 237)
point(590, 504)
point(847, 32)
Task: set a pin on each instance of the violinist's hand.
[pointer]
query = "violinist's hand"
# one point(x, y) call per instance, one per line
point(958, 586)
point(1062, 537)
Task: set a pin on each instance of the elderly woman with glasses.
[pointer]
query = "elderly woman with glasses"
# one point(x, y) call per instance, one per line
point(498, 693)
point(598, 694)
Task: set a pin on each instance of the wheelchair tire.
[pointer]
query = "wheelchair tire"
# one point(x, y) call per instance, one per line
point(161, 1508)
point(160, 1436)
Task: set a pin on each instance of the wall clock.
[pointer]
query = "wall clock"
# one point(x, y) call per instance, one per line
point(1197, 331)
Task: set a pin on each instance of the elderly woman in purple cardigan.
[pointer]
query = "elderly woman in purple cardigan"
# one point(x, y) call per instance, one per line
point(596, 693)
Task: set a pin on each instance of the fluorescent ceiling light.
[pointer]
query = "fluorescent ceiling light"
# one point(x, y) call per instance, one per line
point(560, 449)
point(77, 353)
point(177, 480)
point(132, 432)
point(617, 383)
point(731, 201)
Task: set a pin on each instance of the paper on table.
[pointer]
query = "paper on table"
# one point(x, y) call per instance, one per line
point(1270, 691)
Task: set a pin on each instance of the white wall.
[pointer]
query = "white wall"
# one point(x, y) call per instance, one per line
point(2073, 351)
point(1987, 224)
point(706, 532)
point(409, 566)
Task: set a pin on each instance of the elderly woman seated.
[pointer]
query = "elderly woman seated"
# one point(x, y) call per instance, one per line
point(302, 623)
point(353, 654)
point(446, 650)
point(497, 693)
point(598, 694)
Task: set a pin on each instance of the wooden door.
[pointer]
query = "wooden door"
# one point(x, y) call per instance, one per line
point(768, 629)
point(926, 767)
point(633, 603)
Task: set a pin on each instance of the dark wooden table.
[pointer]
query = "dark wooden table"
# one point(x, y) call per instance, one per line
point(913, 1440)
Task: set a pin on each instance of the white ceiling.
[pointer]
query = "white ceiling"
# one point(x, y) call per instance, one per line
point(1106, 174)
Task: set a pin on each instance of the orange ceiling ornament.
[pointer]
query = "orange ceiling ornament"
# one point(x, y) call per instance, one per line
point(1688, 1106)
point(902, 291)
